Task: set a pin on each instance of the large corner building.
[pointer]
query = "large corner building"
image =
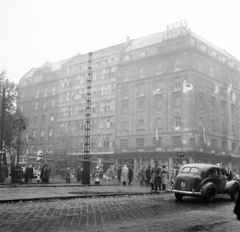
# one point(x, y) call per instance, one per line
point(171, 96)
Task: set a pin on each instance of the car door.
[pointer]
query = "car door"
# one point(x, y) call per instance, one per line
point(217, 180)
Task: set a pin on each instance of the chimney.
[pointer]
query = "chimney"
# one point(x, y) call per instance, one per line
point(128, 38)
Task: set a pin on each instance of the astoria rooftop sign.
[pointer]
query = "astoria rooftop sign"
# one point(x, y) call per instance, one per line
point(176, 29)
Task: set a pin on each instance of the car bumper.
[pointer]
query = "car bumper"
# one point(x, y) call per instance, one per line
point(187, 193)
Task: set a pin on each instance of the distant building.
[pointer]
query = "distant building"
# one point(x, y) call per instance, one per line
point(38, 101)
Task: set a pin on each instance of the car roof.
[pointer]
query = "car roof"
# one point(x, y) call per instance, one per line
point(201, 165)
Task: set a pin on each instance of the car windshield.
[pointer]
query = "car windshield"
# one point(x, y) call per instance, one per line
point(189, 170)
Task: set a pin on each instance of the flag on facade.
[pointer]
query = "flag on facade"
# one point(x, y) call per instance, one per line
point(157, 134)
point(157, 91)
point(204, 136)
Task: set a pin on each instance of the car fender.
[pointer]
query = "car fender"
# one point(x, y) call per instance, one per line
point(231, 185)
point(206, 187)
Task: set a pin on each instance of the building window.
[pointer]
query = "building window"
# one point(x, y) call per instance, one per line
point(44, 105)
point(140, 105)
point(35, 119)
point(51, 117)
point(214, 144)
point(233, 129)
point(201, 102)
point(177, 65)
point(36, 106)
point(158, 123)
point(127, 57)
point(176, 141)
point(143, 53)
point(125, 107)
point(234, 146)
point(142, 72)
point(158, 103)
point(125, 125)
point(50, 132)
point(45, 92)
point(140, 142)
point(49, 149)
point(212, 104)
point(224, 129)
point(42, 133)
point(124, 143)
point(34, 133)
point(52, 103)
point(43, 118)
point(177, 84)
point(177, 121)
point(159, 69)
point(177, 101)
point(53, 90)
point(224, 145)
point(213, 126)
point(126, 75)
point(125, 92)
point(140, 90)
point(140, 124)
point(211, 72)
point(37, 94)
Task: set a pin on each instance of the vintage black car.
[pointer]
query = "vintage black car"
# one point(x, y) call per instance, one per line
point(204, 180)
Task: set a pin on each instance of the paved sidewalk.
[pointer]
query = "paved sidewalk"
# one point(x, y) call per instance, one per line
point(34, 191)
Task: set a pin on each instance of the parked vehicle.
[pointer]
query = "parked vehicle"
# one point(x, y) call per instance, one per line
point(204, 180)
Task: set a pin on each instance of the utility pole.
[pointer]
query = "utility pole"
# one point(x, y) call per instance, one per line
point(3, 159)
point(87, 161)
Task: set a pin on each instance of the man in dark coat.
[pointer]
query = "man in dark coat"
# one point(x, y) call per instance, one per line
point(119, 172)
point(46, 174)
point(237, 207)
point(148, 174)
point(130, 175)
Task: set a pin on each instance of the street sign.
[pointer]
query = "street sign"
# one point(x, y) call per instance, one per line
point(180, 154)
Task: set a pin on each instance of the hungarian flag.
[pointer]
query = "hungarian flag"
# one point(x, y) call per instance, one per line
point(157, 138)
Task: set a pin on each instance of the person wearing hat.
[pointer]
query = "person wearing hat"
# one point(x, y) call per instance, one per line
point(124, 175)
point(164, 175)
point(155, 177)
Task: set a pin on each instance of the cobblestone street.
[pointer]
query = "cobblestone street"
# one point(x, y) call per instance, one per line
point(158, 212)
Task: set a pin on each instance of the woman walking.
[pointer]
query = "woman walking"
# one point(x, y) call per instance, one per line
point(124, 175)
point(68, 175)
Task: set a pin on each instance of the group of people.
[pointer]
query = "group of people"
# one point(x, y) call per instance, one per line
point(125, 174)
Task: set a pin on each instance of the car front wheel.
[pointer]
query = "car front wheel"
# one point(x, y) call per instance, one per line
point(178, 196)
point(234, 194)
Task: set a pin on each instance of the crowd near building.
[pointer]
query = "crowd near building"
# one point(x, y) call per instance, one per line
point(172, 97)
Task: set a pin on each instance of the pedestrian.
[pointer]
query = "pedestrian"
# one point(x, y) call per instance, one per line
point(109, 174)
point(124, 175)
point(2, 173)
point(119, 172)
point(237, 207)
point(68, 175)
point(155, 177)
point(130, 175)
point(26, 174)
point(12, 172)
point(79, 174)
point(164, 175)
point(148, 174)
point(143, 176)
point(42, 174)
point(46, 174)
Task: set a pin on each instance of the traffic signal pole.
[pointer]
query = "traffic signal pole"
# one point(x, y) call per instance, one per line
point(87, 161)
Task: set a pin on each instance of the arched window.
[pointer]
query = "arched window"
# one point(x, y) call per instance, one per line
point(53, 90)
point(159, 68)
point(126, 74)
point(177, 65)
point(142, 72)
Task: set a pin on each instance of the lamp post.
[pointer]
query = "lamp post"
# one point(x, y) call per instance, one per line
point(17, 171)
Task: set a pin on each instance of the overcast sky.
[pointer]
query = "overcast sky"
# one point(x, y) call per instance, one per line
point(33, 32)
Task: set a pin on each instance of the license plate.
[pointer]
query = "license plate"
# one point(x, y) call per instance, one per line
point(183, 184)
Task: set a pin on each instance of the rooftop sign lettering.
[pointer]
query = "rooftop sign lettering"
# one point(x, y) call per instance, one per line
point(176, 29)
